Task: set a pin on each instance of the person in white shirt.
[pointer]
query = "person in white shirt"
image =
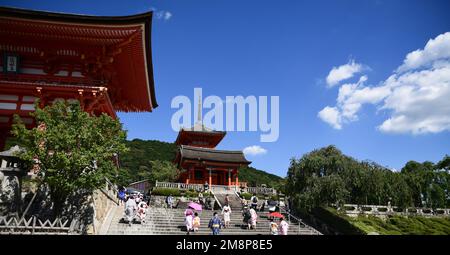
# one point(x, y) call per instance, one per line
point(226, 211)
point(130, 209)
point(254, 217)
point(284, 227)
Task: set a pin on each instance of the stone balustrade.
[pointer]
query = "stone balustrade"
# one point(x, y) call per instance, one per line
point(180, 186)
point(381, 210)
point(215, 188)
point(261, 190)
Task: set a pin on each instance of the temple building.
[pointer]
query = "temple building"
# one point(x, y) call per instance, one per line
point(200, 162)
point(103, 62)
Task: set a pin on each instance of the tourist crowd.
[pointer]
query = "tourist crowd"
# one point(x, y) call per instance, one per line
point(136, 205)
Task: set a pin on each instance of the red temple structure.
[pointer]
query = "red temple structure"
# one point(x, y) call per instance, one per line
point(200, 162)
point(103, 62)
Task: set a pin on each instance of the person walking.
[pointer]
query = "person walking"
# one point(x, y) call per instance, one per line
point(227, 199)
point(215, 224)
point(121, 196)
point(196, 222)
point(142, 211)
point(200, 198)
point(130, 209)
point(273, 227)
point(254, 201)
point(169, 201)
point(284, 227)
point(246, 218)
point(253, 218)
point(188, 220)
point(226, 211)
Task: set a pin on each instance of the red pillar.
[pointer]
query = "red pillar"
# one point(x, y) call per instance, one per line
point(229, 177)
point(210, 178)
point(3, 137)
point(188, 174)
point(237, 178)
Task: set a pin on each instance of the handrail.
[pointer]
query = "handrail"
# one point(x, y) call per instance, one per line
point(217, 200)
point(300, 222)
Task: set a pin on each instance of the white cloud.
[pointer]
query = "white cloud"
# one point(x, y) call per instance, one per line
point(343, 72)
point(419, 102)
point(417, 95)
point(435, 50)
point(254, 150)
point(165, 15)
point(332, 116)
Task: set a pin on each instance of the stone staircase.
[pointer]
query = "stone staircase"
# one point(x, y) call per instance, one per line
point(234, 201)
point(163, 221)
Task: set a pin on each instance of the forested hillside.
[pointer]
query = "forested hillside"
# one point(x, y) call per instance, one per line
point(152, 159)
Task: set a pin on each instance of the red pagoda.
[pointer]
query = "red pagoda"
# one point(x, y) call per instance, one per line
point(200, 162)
point(103, 62)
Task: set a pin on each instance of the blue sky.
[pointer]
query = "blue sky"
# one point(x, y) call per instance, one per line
point(287, 49)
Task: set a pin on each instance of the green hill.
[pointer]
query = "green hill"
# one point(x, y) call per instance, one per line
point(137, 161)
point(392, 225)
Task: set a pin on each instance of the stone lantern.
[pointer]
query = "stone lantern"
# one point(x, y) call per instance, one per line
point(12, 170)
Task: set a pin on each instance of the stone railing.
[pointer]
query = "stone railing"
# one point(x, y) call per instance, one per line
point(261, 190)
point(380, 210)
point(180, 186)
point(215, 188)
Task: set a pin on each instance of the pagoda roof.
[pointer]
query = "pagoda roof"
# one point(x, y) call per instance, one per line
point(123, 42)
point(199, 130)
point(205, 154)
point(199, 127)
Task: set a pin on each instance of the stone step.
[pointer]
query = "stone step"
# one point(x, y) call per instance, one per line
point(161, 221)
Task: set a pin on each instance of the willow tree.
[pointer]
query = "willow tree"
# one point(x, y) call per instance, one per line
point(72, 150)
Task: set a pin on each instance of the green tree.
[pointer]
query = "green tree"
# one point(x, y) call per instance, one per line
point(160, 170)
point(72, 150)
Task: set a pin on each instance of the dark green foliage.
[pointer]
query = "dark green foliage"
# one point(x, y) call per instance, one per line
point(72, 150)
point(255, 177)
point(166, 192)
point(336, 221)
point(327, 176)
point(138, 162)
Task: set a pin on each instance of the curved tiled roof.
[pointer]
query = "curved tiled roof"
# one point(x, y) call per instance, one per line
point(204, 154)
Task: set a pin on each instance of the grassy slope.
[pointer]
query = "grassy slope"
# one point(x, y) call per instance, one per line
point(398, 225)
point(142, 152)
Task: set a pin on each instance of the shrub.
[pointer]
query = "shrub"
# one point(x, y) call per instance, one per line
point(367, 209)
point(166, 192)
point(191, 193)
point(246, 195)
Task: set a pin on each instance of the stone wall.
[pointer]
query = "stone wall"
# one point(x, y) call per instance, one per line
point(103, 201)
